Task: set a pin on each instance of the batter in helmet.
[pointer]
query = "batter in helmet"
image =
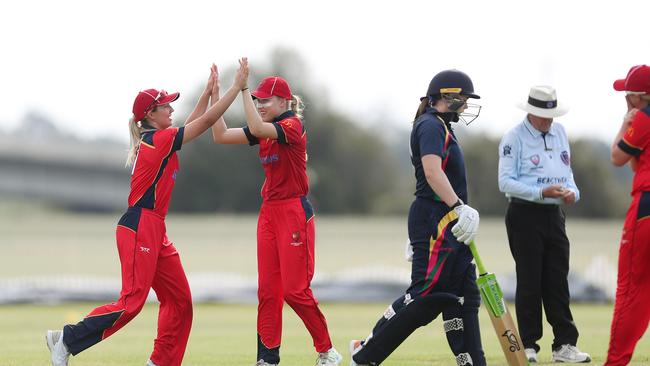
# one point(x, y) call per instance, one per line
point(455, 88)
point(440, 223)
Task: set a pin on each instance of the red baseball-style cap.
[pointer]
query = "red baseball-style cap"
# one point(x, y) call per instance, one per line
point(637, 80)
point(148, 99)
point(272, 85)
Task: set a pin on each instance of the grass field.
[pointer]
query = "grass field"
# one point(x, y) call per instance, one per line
point(41, 243)
point(225, 335)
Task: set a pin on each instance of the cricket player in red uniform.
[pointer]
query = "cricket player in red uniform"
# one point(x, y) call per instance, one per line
point(632, 144)
point(285, 231)
point(148, 258)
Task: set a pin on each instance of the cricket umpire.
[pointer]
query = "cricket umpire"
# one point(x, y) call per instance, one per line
point(535, 175)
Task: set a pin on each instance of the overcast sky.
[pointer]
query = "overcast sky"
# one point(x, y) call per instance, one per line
point(83, 62)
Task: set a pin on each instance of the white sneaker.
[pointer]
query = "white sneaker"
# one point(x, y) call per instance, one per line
point(150, 363)
point(329, 358)
point(354, 347)
point(570, 354)
point(58, 351)
point(264, 363)
point(531, 355)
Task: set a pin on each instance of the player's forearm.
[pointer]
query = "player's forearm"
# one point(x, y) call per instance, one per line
point(200, 108)
point(196, 127)
point(440, 184)
point(619, 136)
point(253, 119)
point(220, 125)
point(221, 134)
point(218, 130)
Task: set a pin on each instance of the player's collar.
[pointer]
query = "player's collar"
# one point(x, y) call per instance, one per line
point(284, 115)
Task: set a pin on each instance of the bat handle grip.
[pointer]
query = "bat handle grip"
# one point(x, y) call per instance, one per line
point(477, 258)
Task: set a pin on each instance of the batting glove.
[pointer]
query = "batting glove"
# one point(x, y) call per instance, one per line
point(466, 228)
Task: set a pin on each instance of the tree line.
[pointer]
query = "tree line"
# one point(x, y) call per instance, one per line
point(355, 170)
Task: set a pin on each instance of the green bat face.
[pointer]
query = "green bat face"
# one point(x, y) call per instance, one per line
point(491, 294)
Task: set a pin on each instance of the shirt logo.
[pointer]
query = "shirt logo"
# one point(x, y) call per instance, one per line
point(296, 237)
point(269, 159)
point(174, 174)
point(506, 150)
point(565, 157)
point(145, 249)
point(535, 159)
point(551, 180)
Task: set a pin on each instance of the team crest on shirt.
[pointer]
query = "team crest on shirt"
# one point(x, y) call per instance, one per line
point(535, 159)
point(296, 239)
point(565, 157)
point(286, 123)
point(506, 150)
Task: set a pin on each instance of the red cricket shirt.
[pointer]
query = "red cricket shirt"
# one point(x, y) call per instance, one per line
point(284, 160)
point(155, 169)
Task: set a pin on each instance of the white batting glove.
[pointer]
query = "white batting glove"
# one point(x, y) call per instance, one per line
point(408, 251)
point(466, 228)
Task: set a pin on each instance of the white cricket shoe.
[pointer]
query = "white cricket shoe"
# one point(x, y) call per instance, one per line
point(355, 346)
point(570, 354)
point(329, 358)
point(58, 351)
point(264, 363)
point(531, 355)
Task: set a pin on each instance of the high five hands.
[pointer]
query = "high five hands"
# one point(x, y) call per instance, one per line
point(215, 85)
point(241, 79)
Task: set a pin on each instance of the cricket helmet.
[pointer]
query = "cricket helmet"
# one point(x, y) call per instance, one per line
point(451, 82)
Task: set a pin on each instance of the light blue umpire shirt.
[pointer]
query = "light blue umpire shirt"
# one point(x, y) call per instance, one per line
point(529, 161)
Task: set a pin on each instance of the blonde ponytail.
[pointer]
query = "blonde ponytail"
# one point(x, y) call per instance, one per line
point(136, 136)
point(297, 105)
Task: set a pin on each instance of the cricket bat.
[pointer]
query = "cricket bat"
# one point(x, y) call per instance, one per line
point(501, 319)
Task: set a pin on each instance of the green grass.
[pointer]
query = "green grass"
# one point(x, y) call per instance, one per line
point(41, 243)
point(85, 244)
point(225, 335)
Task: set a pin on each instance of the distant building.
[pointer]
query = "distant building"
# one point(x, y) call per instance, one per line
point(39, 162)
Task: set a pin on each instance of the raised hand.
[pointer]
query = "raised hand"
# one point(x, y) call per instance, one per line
point(211, 80)
point(216, 85)
point(241, 79)
point(629, 116)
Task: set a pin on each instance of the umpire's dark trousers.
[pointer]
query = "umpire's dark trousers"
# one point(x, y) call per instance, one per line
point(540, 247)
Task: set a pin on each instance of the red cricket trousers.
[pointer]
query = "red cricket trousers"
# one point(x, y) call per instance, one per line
point(631, 310)
point(285, 263)
point(148, 260)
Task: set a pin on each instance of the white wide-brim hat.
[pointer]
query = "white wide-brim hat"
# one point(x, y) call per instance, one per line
point(542, 102)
